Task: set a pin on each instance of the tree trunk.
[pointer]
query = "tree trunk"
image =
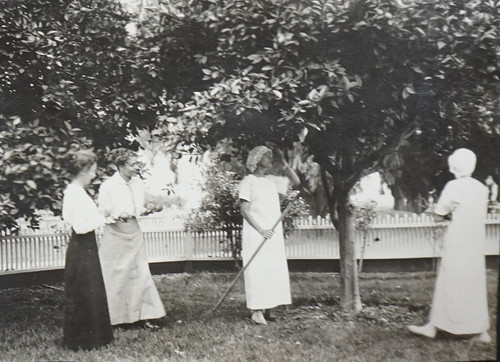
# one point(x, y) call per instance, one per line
point(350, 298)
point(399, 199)
point(415, 204)
point(362, 256)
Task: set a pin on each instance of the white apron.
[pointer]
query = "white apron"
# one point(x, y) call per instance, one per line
point(130, 289)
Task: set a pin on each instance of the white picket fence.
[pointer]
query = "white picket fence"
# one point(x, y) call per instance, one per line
point(390, 237)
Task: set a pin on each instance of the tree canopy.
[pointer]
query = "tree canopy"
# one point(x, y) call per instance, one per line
point(363, 77)
point(71, 77)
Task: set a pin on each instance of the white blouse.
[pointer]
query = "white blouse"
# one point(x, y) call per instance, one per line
point(80, 211)
point(252, 185)
point(118, 197)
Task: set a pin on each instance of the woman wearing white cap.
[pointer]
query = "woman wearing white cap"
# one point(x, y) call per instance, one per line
point(460, 305)
point(267, 283)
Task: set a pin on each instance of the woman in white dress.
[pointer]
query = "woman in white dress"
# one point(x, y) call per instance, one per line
point(267, 283)
point(132, 294)
point(460, 303)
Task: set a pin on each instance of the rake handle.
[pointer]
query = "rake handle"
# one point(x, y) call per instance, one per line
point(242, 270)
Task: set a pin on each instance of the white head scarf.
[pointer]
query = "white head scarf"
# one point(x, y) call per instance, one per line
point(462, 162)
point(255, 155)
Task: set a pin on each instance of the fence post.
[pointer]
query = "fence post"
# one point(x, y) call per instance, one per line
point(189, 251)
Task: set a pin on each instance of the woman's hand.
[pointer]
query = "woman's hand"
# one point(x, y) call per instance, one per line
point(289, 172)
point(152, 208)
point(123, 217)
point(441, 218)
point(245, 212)
point(280, 157)
point(267, 233)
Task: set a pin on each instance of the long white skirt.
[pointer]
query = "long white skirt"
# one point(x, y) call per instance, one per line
point(460, 304)
point(130, 289)
point(267, 283)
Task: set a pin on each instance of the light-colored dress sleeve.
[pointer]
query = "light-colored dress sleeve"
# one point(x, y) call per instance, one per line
point(448, 201)
point(138, 188)
point(282, 183)
point(117, 197)
point(104, 201)
point(245, 189)
point(80, 211)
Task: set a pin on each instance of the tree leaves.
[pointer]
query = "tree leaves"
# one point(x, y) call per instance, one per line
point(66, 72)
point(365, 72)
point(361, 72)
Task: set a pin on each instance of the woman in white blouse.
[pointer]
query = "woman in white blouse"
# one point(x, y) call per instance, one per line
point(86, 319)
point(132, 294)
point(267, 283)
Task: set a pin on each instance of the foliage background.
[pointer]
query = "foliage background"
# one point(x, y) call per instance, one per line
point(76, 75)
point(220, 207)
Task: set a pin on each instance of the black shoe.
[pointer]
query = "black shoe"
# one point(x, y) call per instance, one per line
point(269, 316)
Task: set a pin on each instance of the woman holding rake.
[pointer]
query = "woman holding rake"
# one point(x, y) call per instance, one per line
point(267, 283)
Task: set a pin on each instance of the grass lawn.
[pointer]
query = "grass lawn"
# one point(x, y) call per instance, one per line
point(312, 329)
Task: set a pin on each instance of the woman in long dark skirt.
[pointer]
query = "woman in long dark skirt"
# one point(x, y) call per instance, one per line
point(86, 318)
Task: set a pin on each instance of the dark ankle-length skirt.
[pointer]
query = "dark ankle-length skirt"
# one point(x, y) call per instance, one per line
point(86, 319)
